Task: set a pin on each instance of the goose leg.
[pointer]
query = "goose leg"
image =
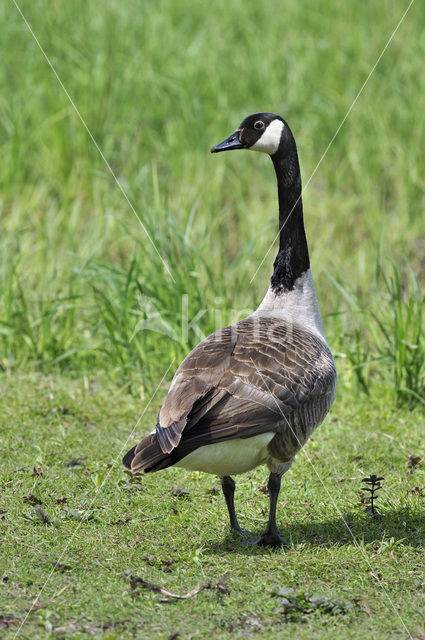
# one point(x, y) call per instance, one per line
point(228, 487)
point(271, 537)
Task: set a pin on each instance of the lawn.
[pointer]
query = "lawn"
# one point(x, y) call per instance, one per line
point(111, 273)
point(170, 529)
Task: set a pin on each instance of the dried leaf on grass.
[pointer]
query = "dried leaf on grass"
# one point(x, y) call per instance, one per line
point(179, 492)
point(168, 595)
point(31, 498)
point(213, 491)
point(6, 621)
point(60, 566)
point(120, 521)
point(413, 461)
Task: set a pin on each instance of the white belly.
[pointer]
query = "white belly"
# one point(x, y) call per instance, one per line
point(229, 457)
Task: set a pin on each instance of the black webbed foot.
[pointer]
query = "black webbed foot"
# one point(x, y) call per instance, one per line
point(271, 539)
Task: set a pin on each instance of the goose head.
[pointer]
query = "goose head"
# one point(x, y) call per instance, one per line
point(258, 132)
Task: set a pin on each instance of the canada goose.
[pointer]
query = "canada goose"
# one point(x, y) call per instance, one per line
point(252, 393)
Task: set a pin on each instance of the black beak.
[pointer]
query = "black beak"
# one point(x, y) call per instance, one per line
point(232, 142)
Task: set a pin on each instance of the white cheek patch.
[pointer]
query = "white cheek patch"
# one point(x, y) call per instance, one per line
point(270, 140)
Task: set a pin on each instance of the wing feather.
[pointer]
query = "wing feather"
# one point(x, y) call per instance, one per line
point(197, 377)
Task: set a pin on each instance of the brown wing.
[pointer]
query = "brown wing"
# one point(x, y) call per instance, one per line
point(238, 382)
point(194, 388)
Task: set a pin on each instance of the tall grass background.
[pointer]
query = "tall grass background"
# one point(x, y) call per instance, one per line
point(83, 289)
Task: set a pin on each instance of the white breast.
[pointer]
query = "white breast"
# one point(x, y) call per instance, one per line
point(299, 306)
point(230, 457)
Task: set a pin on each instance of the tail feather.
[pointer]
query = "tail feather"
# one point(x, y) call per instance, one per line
point(128, 458)
point(170, 437)
point(147, 456)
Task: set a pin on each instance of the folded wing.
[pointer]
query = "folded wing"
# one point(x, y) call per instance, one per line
point(240, 381)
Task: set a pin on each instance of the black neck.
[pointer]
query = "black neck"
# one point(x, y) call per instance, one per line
point(292, 260)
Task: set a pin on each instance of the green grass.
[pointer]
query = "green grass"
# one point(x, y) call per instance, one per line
point(90, 320)
point(75, 264)
point(180, 542)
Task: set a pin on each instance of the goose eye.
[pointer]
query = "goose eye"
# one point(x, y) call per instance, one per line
point(259, 124)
